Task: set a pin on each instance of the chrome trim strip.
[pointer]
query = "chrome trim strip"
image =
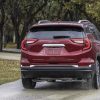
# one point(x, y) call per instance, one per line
point(53, 45)
point(76, 66)
point(54, 65)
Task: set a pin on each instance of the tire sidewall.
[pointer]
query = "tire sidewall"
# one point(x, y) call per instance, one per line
point(97, 76)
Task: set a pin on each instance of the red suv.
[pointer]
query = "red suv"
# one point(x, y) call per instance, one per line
point(66, 51)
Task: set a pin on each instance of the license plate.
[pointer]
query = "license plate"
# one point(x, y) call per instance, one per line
point(53, 51)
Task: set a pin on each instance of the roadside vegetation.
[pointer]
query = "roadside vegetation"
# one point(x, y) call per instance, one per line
point(10, 45)
point(9, 71)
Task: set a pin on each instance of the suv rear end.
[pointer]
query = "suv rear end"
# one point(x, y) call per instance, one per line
point(53, 51)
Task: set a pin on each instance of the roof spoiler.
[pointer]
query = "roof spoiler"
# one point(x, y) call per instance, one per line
point(43, 21)
point(84, 21)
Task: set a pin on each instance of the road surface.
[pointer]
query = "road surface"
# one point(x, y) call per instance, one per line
point(9, 56)
point(47, 91)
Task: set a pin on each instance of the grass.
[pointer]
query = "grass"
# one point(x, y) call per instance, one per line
point(9, 71)
point(11, 45)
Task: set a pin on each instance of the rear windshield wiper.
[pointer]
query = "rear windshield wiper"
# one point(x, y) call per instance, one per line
point(58, 37)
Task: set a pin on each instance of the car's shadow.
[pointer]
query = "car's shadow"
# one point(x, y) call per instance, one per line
point(61, 86)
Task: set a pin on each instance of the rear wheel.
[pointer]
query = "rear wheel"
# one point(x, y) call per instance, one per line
point(96, 79)
point(87, 84)
point(28, 84)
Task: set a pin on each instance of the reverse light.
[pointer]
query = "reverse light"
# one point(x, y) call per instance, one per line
point(78, 40)
point(31, 41)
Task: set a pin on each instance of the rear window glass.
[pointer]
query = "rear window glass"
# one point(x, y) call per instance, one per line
point(52, 32)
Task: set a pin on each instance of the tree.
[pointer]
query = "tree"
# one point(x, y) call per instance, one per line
point(31, 10)
point(23, 13)
point(2, 19)
point(14, 11)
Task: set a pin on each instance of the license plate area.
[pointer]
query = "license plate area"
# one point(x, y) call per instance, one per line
point(53, 51)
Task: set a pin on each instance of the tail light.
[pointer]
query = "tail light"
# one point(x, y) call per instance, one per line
point(23, 45)
point(87, 44)
point(26, 43)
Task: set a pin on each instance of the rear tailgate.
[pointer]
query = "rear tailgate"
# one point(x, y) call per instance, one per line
point(55, 44)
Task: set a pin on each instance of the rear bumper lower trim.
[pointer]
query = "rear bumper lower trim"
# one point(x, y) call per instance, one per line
point(56, 71)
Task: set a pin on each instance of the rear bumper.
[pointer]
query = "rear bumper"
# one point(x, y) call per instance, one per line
point(57, 71)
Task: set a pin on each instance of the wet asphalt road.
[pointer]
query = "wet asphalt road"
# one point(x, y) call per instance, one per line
point(47, 91)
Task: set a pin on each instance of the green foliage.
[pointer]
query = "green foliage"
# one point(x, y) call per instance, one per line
point(94, 10)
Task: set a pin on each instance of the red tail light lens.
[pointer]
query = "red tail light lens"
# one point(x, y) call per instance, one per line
point(23, 47)
point(87, 43)
point(26, 43)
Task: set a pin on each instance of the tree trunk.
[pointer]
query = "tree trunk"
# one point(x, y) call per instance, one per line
point(24, 31)
point(1, 40)
point(1, 27)
point(17, 38)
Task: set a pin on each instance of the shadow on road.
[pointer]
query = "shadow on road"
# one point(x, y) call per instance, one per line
point(60, 86)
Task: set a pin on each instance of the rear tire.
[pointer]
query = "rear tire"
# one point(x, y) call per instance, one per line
point(88, 84)
point(28, 84)
point(96, 79)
